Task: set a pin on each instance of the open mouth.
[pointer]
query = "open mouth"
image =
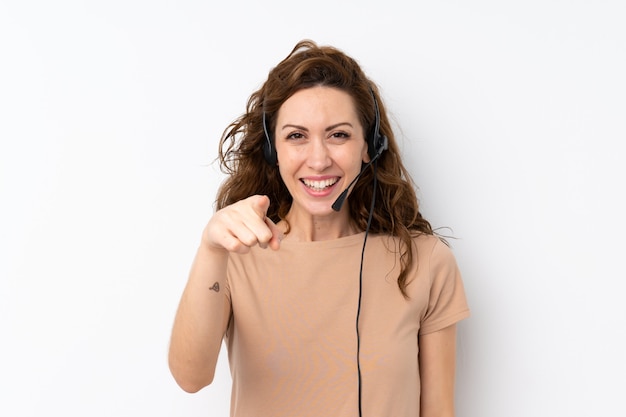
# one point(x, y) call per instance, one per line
point(320, 185)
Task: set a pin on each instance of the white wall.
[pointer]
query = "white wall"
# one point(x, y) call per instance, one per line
point(513, 123)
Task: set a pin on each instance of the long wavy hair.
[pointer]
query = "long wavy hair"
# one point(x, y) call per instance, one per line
point(396, 209)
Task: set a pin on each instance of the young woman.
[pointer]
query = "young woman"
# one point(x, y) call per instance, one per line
point(331, 291)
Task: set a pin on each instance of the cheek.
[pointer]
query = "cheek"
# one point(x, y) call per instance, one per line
point(281, 171)
point(286, 170)
point(352, 163)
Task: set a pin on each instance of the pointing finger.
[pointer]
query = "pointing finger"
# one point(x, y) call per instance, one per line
point(261, 204)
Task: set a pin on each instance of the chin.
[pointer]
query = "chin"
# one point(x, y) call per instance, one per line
point(319, 209)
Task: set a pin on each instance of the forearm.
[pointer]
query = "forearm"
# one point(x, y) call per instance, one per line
point(200, 322)
point(437, 372)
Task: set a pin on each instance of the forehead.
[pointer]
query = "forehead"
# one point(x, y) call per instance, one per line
point(325, 102)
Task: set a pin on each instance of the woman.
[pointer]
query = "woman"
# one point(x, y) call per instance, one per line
point(352, 309)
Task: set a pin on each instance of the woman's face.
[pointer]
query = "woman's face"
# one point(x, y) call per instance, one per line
point(320, 145)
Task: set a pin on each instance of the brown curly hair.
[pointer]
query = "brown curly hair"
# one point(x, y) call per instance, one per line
point(396, 210)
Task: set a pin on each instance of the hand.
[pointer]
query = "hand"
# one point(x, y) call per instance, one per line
point(241, 225)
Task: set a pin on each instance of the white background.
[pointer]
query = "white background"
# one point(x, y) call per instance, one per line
point(511, 116)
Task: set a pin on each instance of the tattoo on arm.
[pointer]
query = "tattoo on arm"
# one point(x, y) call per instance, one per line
point(215, 287)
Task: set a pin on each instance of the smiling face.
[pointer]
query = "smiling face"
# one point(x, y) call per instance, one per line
point(320, 145)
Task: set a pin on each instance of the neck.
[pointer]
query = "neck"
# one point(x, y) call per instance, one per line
point(313, 228)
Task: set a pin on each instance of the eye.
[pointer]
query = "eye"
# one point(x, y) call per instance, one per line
point(339, 137)
point(295, 136)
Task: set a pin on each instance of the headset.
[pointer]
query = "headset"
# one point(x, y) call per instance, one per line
point(376, 143)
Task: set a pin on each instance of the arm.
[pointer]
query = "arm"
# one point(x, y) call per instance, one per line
point(200, 322)
point(204, 310)
point(437, 359)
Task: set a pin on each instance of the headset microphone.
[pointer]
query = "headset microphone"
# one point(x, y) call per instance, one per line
point(339, 201)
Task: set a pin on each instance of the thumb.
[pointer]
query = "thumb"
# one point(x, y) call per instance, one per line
point(277, 234)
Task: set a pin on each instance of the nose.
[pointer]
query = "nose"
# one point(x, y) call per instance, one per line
point(319, 157)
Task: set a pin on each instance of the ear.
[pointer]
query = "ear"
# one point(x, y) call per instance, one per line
point(365, 155)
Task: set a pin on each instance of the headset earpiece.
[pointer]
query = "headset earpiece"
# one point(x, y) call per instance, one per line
point(376, 143)
point(269, 152)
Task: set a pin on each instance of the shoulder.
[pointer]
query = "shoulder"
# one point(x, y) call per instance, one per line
point(423, 247)
point(432, 249)
point(427, 254)
point(433, 260)
point(427, 242)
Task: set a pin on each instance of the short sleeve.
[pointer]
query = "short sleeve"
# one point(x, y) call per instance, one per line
point(447, 302)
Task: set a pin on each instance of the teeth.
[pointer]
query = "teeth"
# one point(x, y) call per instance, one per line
point(319, 185)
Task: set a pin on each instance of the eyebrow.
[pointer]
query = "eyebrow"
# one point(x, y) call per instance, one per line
point(329, 128)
